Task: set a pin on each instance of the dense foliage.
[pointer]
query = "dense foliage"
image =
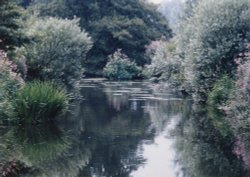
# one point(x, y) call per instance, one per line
point(39, 102)
point(119, 67)
point(221, 92)
point(10, 82)
point(238, 111)
point(125, 24)
point(210, 40)
point(57, 50)
point(164, 65)
point(60, 40)
point(10, 24)
point(239, 106)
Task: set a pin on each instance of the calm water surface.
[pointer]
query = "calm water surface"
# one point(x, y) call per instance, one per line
point(124, 129)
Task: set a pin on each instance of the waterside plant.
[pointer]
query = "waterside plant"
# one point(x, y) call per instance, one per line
point(40, 102)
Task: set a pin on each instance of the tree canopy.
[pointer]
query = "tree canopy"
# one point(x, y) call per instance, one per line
point(211, 39)
point(57, 51)
point(10, 24)
point(129, 25)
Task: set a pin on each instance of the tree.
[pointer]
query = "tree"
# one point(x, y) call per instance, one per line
point(125, 24)
point(210, 41)
point(173, 11)
point(10, 24)
point(57, 50)
point(189, 7)
point(24, 3)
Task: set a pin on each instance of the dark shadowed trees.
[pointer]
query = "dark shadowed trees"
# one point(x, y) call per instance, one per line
point(125, 24)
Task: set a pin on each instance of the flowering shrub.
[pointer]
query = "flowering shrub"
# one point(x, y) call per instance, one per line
point(153, 46)
point(239, 107)
point(119, 67)
point(10, 82)
point(242, 151)
point(238, 111)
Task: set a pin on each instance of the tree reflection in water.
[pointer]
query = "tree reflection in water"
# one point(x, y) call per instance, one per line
point(105, 133)
point(51, 151)
point(113, 131)
point(205, 150)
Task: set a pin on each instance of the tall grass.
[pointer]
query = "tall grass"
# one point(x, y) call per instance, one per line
point(40, 102)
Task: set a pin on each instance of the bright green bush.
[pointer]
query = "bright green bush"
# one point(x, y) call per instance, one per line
point(119, 67)
point(39, 102)
point(221, 92)
point(57, 50)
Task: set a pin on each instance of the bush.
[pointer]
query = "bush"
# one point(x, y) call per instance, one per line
point(119, 67)
point(238, 111)
point(164, 65)
point(160, 60)
point(239, 106)
point(57, 50)
point(209, 41)
point(221, 91)
point(10, 82)
point(39, 102)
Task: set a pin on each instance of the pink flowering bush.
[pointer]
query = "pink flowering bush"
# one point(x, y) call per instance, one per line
point(153, 46)
point(239, 107)
point(10, 82)
point(241, 150)
point(238, 111)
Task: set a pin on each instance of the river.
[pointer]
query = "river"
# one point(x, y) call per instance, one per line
point(124, 129)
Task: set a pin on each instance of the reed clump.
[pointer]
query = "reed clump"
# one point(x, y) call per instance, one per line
point(40, 102)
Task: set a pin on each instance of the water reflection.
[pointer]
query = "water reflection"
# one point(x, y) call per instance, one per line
point(124, 129)
point(203, 150)
point(160, 157)
point(51, 151)
point(114, 128)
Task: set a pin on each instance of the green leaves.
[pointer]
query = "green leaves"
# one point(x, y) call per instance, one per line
point(10, 25)
point(221, 92)
point(57, 51)
point(39, 102)
point(129, 25)
point(164, 64)
point(119, 67)
point(210, 41)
